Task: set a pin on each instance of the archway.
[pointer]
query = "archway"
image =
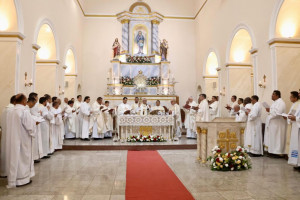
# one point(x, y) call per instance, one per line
point(70, 74)
point(211, 74)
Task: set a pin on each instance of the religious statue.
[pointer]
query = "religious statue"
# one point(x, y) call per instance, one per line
point(116, 48)
point(140, 40)
point(164, 50)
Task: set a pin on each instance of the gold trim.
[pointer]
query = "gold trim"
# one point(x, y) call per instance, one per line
point(88, 15)
point(200, 9)
point(210, 76)
point(155, 22)
point(242, 130)
point(139, 63)
point(36, 47)
point(65, 67)
point(124, 21)
point(204, 131)
point(12, 35)
point(238, 65)
point(155, 52)
point(171, 17)
point(119, 84)
point(124, 52)
point(141, 96)
point(134, 86)
point(283, 41)
point(140, 4)
point(253, 51)
point(71, 75)
point(81, 7)
point(115, 61)
point(47, 62)
point(165, 85)
point(198, 130)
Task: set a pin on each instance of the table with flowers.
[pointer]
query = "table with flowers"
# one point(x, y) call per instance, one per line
point(129, 125)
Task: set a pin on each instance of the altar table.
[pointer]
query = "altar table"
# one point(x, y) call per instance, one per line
point(146, 125)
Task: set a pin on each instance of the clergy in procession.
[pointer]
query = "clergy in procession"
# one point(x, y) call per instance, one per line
point(61, 110)
point(230, 107)
point(37, 140)
point(240, 115)
point(240, 102)
point(108, 120)
point(214, 107)
point(275, 134)
point(65, 104)
point(124, 108)
point(203, 111)
point(175, 111)
point(20, 132)
point(190, 109)
point(85, 111)
point(253, 139)
point(45, 125)
point(135, 106)
point(96, 120)
point(4, 141)
point(56, 126)
point(70, 120)
point(157, 107)
point(294, 149)
point(78, 123)
point(294, 98)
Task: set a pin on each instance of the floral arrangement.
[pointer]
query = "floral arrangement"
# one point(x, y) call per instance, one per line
point(149, 138)
point(235, 161)
point(126, 80)
point(138, 59)
point(153, 80)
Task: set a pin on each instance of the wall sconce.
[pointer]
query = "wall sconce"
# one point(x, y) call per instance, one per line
point(27, 84)
point(60, 92)
point(223, 92)
point(262, 84)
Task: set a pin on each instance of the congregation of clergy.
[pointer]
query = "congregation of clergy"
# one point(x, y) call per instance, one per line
point(34, 128)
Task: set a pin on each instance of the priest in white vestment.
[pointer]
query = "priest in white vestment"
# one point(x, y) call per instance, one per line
point(240, 115)
point(56, 126)
point(144, 108)
point(190, 118)
point(96, 120)
point(135, 106)
point(157, 107)
point(124, 108)
point(203, 111)
point(108, 120)
point(85, 111)
point(7, 109)
point(70, 120)
point(275, 134)
point(20, 132)
point(45, 125)
point(175, 111)
point(62, 125)
point(214, 108)
point(230, 107)
point(294, 98)
point(253, 139)
point(294, 158)
point(78, 123)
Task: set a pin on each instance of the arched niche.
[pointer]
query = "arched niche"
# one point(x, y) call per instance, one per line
point(8, 16)
point(46, 41)
point(211, 75)
point(288, 20)
point(70, 74)
point(240, 46)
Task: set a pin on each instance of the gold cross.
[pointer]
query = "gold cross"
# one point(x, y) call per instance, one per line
point(227, 139)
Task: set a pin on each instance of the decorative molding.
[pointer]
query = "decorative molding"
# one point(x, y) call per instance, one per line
point(210, 76)
point(71, 75)
point(149, 9)
point(36, 47)
point(48, 62)
point(125, 21)
point(253, 51)
point(284, 41)
point(17, 35)
point(238, 65)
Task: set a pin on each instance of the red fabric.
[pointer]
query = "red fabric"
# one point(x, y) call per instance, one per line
point(150, 178)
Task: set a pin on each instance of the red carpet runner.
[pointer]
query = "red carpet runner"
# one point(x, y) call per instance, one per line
point(150, 178)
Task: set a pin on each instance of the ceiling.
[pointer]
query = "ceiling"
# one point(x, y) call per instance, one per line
point(168, 8)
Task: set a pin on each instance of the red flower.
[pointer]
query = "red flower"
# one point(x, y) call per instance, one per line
point(240, 150)
point(218, 160)
point(154, 139)
point(219, 151)
point(228, 154)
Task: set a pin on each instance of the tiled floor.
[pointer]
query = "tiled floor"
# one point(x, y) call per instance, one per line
point(88, 175)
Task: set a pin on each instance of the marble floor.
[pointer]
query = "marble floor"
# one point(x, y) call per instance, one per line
point(99, 175)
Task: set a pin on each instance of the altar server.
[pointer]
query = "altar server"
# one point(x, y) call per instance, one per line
point(275, 135)
point(294, 149)
point(203, 111)
point(124, 108)
point(294, 98)
point(214, 108)
point(45, 125)
point(56, 126)
point(85, 111)
point(20, 133)
point(96, 120)
point(70, 120)
point(253, 140)
point(240, 115)
point(190, 117)
point(108, 120)
point(3, 161)
point(78, 123)
point(175, 111)
point(37, 140)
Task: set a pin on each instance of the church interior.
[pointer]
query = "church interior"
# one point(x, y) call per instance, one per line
point(140, 99)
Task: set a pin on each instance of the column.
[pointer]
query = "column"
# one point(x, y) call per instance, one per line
point(255, 71)
point(35, 48)
point(125, 36)
point(155, 45)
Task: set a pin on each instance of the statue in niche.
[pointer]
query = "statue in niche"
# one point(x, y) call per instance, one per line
point(164, 50)
point(116, 48)
point(140, 41)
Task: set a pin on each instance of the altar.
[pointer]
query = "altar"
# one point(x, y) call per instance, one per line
point(130, 125)
point(222, 132)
